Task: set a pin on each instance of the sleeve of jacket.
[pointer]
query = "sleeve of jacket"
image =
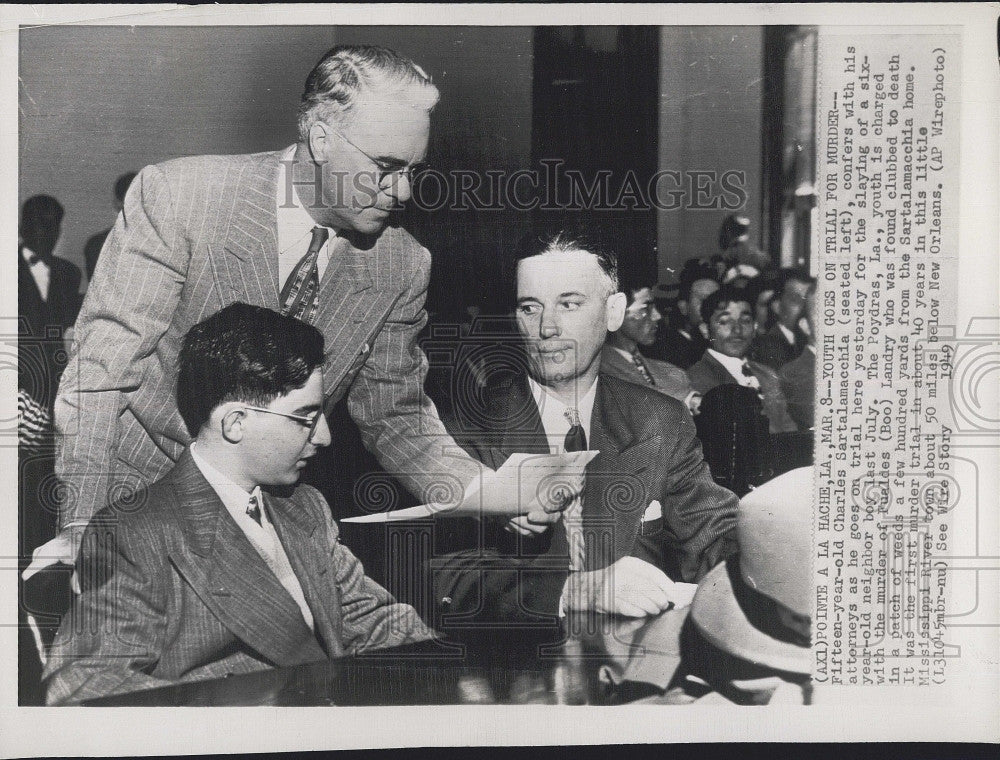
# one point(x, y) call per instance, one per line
point(371, 617)
point(699, 514)
point(398, 422)
point(128, 308)
point(112, 636)
point(477, 588)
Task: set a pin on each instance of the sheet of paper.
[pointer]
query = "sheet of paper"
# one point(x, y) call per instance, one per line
point(516, 488)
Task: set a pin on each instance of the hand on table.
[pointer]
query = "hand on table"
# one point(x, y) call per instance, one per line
point(630, 587)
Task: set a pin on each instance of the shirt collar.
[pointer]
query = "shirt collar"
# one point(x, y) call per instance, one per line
point(733, 365)
point(294, 222)
point(233, 497)
point(27, 254)
point(789, 335)
point(552, 411)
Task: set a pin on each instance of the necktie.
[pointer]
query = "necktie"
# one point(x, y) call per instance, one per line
point(640, 365)
point(576, 440)
point(300, 294)
point(253, 508)
point(752, 381)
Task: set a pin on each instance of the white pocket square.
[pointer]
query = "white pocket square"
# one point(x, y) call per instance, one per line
point(653, 512)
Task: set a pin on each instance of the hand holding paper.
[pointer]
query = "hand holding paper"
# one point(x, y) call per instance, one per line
point(526, 484)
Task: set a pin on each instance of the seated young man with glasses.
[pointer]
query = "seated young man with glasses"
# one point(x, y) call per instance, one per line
point(226, 564)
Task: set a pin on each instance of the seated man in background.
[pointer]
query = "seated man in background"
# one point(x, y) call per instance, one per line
point(798, 377)
point(623, 358)
point(649, 514)
point(728, 325)
point(226, 565)
point(785, 340)
point(685, 344)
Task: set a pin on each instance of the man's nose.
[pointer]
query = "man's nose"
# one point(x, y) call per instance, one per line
point(400, 188)
point(321, 435)
point(549, 327)
point(654, 314)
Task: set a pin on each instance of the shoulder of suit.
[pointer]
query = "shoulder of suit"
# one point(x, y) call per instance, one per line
point(640, 401)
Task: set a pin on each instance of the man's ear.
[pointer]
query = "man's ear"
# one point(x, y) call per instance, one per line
point(319, 136)
point(616, 310)
point(704, 331)
point(232, 419)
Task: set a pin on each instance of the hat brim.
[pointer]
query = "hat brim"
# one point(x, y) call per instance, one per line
point(720, 619)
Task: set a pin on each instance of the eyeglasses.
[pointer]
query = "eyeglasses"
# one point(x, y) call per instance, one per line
point(308, 421)
point(385, 170)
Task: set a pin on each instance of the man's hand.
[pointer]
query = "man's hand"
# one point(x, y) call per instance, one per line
point(553, 504)
point(533, 523)
point(61, 550)
point(631, 587)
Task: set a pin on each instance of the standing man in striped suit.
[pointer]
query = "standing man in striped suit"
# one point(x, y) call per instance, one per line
point(306, 231)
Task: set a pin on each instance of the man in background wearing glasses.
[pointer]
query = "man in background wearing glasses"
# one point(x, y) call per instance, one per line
point(226, 565)
point(307, 232)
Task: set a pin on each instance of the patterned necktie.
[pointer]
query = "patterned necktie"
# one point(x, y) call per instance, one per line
point(640, 365)
point(576, 440)
point(253, 508)
point(300, 295)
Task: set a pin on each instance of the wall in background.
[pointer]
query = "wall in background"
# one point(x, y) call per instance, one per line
point(100, 101)
point(710, 120)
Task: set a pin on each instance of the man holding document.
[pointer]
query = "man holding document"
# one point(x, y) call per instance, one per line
point(650, 521)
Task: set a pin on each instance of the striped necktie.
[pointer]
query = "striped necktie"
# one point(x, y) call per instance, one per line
point(300, 295)
point(640, 365)
point(253, 509)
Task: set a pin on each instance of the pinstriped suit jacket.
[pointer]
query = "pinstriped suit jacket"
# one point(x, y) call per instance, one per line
point(197, 234)
point(172, 591)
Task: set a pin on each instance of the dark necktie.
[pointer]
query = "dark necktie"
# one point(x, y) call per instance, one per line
point(300, 295)
point(640, 365)
point(253, 509)
point(576, 440)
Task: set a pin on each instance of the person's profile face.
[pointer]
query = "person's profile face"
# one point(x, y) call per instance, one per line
point(792, 303)
point(642, 318)
point(275, 449)
point(361, 159)
point(563, 313)
point(700, 290)
point(731, 329)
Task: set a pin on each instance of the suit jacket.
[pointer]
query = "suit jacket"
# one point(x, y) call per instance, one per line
point(798, 383)
point(648, 451)
point(708, 372)
point(197, 234)
point(39, 366)
point(670, 380)
point(174, 591)
point(774, 350)
point(677, 349)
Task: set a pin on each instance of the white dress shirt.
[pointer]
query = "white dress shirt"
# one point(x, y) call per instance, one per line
point(295, 227)
point(788, 334)
point(735, 366)
point(262, 537)
point(40, 271)
point(553, 413)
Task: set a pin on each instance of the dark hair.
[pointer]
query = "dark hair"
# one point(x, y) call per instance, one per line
point(731, 228)
point(721, 298)
point(39, 205)
point(122, 185)
point(769, 279)
point(243, 353)
point(694, 270)
point(553, 242)
point(345, 71)
point(790, 274)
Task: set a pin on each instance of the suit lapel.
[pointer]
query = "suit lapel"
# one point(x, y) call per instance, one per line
point(522, 429)
point(230, 577)
point(617, 489)
point(250, 270)
point(312, 565)
point(721, 373)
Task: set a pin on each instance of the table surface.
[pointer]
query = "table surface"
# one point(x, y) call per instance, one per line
point(575, 665)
